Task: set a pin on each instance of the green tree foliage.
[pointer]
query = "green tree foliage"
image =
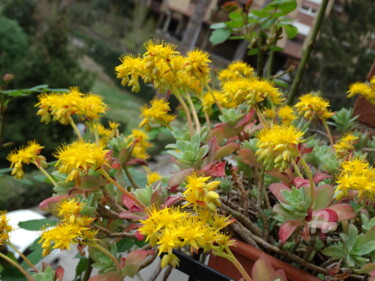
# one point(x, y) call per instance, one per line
point(343, 52)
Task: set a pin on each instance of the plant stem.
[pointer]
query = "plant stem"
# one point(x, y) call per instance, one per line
point(214, 97)
point(261, 55)
point(127, 193)
point(237, 264)
point(88, 269)
point(270, 64)
point(208, 122)
point(296, 168)
point(23, 257)
point(24, 272)
point(186, 109)
point(329, 134)
point(130, 177)
point(306, 54)
point(311, 180)
point(78, 133)
point(194, 113)
point(45, 173)
point(107, 253)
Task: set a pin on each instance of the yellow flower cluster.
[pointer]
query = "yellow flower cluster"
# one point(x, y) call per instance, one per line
point(286, 115)
point(5, 228)
point(277, 145)
point(156, 113)
point(363, 89)
point(104, 134)
point(357, 175)
point(165, 68)
point(310, 105)
point(235, 71)
point(208, 100)
point(201, 194)
point(78, 158)
point(172, 228)
point(345, 145)
point(25, 155)
point(73, 228)
point(138, 140)
point(60, 107)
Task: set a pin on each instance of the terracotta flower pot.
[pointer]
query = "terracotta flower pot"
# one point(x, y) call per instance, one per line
point(247, 255)
point(366, 112)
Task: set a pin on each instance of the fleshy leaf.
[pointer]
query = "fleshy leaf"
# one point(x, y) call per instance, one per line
point(287, 229)
point(323, 196)
point(276, 189)
point(225, 150)
point(133, 261)
point(110, 276)
point(262, 269)
point(344, 211)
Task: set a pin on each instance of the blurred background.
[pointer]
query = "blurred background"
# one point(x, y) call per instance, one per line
point(66, 43)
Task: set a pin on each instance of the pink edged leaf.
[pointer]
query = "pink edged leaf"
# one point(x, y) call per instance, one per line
point(323, 196)
point(226, 150)
point(276, 189)
point(221, 131)
point(89, 183)
point(136, 161)
point(110, 276)
point(133, 261)
point(287, 229)
point(213, 146)
point(247, 156)
point(327, 215)
point(286, 176)
point(366, 269)
point(299, 182)
point(343, 211)
point(278, 275)
point(49, 203)
point(246, 119)
point(59, 273)
point(130, 204)
point(177, 178)
point(139, 236)
point(133, 215)
point(172, 200)
point(214, 169)
point(319, 176)
point(303, 149)
point(262, 269)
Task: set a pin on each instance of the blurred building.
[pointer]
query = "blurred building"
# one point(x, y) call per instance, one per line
point(173, 16)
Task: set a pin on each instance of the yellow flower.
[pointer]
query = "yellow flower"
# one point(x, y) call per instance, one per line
point(236, 91)
point(91, 107)
point(277, 145)
point(201, 194)
point(286, 114)
point(197, 64)
point(269, 113)
point(345, 145)
point(78, 158)
point(156, 113)
point(235, 71)
point(68, 208)
point(130, 69)
point(25, 155)
point(358, 175)
point(260, 90)
point(138, 139)
point(5, 228)
point(208, 100)
point(310, 105)
point(153, 177)
point(363, 89)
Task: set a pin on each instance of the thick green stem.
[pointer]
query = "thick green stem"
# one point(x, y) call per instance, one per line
point(130, 177)
point(194, 113)
point(270, 64)
point(123, 190)
point(310, 177)
point(45, 173)
point(237, 264)
point(296, 168)
point(329, 134)
point(306, 54)
point(78, 133)
point(214, 97)
point(187, 113)
point(23, 257)
point(88, 269)
point(107, 253)
point(24, 272)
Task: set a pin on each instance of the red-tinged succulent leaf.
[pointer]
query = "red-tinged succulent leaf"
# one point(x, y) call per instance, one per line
point(130, 204)
point(303, 149)
point(286, 176)
point(366, 269)
point(49, 203)
point(327, 215)
point(344, 211)
point(133, 215)
point(136, 161)
point(89, 183)
point(213, 146)
point(299, 182)
point(214, 169)
point(110, 276)
point(139, 236)
point(172, 200)
point(246, 119)
point(287, 229)
point(319, 176)
point(276, 189)
point(323, 196)
point(226, 150)
point(370, 235)
point(262, 269)
point(157, 195)
point(59, 273)
point(133, 261)
point(248, 157)
point(278, 275)
point(177, 178)
point(221, 131)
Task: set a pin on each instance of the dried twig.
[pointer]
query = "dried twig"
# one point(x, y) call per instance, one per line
point(111, 201)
